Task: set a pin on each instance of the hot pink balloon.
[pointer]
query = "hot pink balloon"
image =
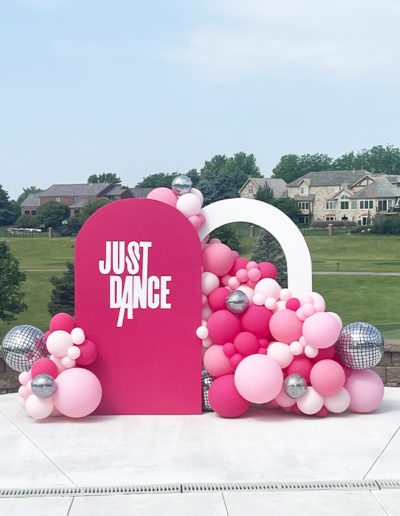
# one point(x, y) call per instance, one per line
point(217, 298)
point(223, 326)
point(225, 399)
point(246, 343)
point(366, 390)
point(78, 392)
point(62, 321)
point(164, 195)
point(256, 320)
point(327, 377)
point(321, 330)
point(88, 353)
point(258, 378)
point(285, 326)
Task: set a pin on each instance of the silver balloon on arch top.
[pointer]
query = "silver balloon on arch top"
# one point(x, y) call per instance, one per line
point(22, 346)
point(237, 302)
point(181, 185)
point(360, 345)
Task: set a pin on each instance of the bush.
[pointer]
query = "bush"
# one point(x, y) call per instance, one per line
point(386, 224)
point(27, 221)
point(321, 224)
point(63, 294)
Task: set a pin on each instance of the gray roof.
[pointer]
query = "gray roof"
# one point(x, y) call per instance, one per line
point(75, 189)
point(277, 185)
point(31, 200)
point(331, 177)
point(117, 190)
point(381, 187)
point(140, 193)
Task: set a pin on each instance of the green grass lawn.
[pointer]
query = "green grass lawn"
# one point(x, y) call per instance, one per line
point(366, 298)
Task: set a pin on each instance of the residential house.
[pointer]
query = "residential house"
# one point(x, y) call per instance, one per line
point(253, 184)
point(354, 195)
point(75, 196)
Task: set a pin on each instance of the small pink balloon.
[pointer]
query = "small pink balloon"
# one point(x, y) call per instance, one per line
point(229, 349)
point(239, 263)
point(196, 221)
point(236, 359)
point(246, 343)
point(258, 378)
point(164, 195)
point(62, 321)
point(366, 390)
point(233, 283)
point(268, 270)
point(254, 274)
point(339, 402)
point(78, 392)
point(209, 282)
point(321, 330)
point(88, 353)
point(224, 398)
point(216, 362)
point(74, 352)
point(311, 402)
point(78, 336)
point(188, 204)
point(24, 377)
point(59, 342)
point(283, 400)
point(281, 353)
point(198, 194)
point(327, 377)
point(242, 275)
point(217, 298)
point(23, 392)
point(217, 258)
point(38, 408)
point(285, 326)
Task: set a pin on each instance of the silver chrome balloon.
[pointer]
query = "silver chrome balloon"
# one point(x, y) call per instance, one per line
point(206, 380)
point(181, 185)
point(237, 302)
point(43, 385)
point(360, 345)
point(295, 385)
point(22, 346)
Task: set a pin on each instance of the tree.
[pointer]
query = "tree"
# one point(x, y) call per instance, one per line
point(27, 221)
point(222, 177)
point(269, 250)
point(90, 207)
point(108, 177)
point(26, 192)
point(228, 236)
point(63, 293)
point(52, 213)
point(378, 160)
point(265, 193)
point(9, 210)
point(292, 166)
point(288, 205)
point(157, 180)
point(11, 278)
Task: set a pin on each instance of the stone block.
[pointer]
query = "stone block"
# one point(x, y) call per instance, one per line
point(392, 345)
point(396, 359)
point(386, 359)
point(393, 374)
point(381, 370)
point(9, 380)
point(2, 365)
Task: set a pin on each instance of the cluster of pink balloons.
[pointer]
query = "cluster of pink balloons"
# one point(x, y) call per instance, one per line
point(77, 391)
point(275, 335)
point(189, 203)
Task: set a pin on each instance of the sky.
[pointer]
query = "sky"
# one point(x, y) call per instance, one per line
point(135, 88)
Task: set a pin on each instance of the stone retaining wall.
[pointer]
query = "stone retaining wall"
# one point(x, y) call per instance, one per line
point(388, 369)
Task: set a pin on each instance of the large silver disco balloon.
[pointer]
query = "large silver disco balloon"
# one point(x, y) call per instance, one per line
point(43, 385)
point(360, 345)
point(206, 380)
point(295, 385)
point(181, 185)
point(237, 302)
point(22, 346)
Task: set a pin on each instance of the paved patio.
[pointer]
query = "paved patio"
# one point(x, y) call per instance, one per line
point(268, 453)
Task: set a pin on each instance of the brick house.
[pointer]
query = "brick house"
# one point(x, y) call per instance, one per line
point(75, 196)
point(354, 195)
point(253, 184)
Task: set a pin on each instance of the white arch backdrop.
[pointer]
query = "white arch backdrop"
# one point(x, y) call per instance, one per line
point(298, 259)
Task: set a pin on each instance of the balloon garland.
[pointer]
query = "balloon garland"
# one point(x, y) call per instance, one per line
point(261, 344)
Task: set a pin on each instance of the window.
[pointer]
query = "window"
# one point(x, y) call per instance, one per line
point(304, 190)
point(76, 199)
point(365, 205)
point(337, 188)
point(330, 218)
point(353, 205)
point(385, 205)
point(303, 205)
point(304, 219)
point(33, 212)
point(344, 197)
point(331, 205)
point(27, 212)
point(344, 205)
point(57, 199)
point(250, 190)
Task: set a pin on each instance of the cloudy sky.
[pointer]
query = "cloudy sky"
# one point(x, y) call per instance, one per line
point(137, 87)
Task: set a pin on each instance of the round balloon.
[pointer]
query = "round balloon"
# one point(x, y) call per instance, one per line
point(22, 346)
point(366, 390)
point(258, 378)
point(321, 330)
point(225, 399)
point(78, 392)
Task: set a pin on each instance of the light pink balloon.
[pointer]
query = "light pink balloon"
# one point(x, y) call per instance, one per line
point(311, 402)
point(188, 204)
point(366, 390)
point(209, 282)
point(24, 377)
point(283, 400)
point(281, 353)
point(269, 287)
point(197, 193)
point(258, 378)
point(78, 392)
point(38, 408)
point(339, 402)
point(164, 195)
point(216, 362)
point(321, 330)
point(58, 343)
